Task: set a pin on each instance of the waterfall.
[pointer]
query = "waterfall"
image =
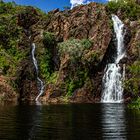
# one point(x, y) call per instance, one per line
point(113, 77)
point(40, 82)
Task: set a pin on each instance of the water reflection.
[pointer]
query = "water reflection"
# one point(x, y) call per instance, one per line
point(36, 121)
point(69, 122)
point(133, 124)
point(113, 122)
point(28, 118)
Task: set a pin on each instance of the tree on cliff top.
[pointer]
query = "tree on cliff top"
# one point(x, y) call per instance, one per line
point(128, 8)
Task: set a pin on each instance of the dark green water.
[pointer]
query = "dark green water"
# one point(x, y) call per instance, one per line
point(69, 122)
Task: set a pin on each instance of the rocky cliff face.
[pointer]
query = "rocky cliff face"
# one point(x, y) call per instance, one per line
point(73, 47)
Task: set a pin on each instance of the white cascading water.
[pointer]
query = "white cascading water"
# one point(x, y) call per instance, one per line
point(40, 82)
point(113, 77)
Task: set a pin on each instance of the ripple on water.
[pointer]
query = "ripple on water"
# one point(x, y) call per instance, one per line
point(74, 122)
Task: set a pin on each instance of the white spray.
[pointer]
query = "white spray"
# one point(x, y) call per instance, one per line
point(40, 82)
point(113, 78)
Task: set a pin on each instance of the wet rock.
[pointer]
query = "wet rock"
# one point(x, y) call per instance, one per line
point(90, 21)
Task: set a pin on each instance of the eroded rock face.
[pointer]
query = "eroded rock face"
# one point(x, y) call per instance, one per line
point(7, 92)
point(82, 22)
point(90, 21)
point(134, 43)
point(132, 62)
point(26, 81)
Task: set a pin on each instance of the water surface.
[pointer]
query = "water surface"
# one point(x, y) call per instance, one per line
point(69, 122)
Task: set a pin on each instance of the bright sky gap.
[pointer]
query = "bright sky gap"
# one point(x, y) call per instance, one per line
point(46, 5)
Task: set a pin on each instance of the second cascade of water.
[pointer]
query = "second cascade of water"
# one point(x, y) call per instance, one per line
point(40, 82)
point(113, 77)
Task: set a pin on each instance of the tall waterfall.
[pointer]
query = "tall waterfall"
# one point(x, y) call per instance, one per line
point(113, 77)
point(40, 82)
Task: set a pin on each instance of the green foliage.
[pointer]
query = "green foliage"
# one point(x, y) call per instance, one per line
point(135, 104)
point(45, 64)
point(6, 7)
point(77, 69)
point(111, 24)
point(10, 35)
point(76, 81)
point(45, 59)
point(138, 50)
point(10, 59)
point(74, 47)
point(135, 68)
point(46, 67)
point(10, 8)
point(128, 7)
point(86, 43)
point(49, 38)
point(133, 84)
point(53, 78)
point(91, 57)
point(71, 86)
point(9, 32)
